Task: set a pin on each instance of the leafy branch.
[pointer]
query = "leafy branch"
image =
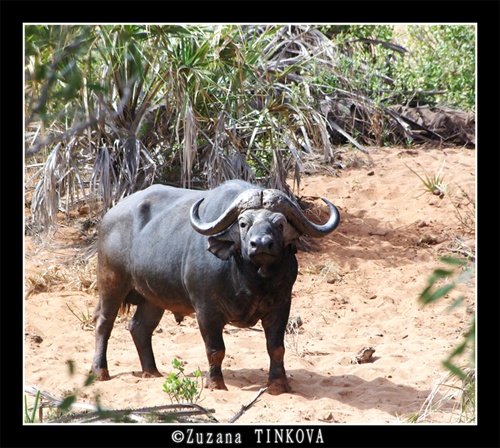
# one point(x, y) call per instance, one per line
point(455, 274)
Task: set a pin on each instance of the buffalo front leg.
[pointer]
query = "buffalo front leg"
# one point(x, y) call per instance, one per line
point(141, 326)
point(274, 328)
point(211, 332)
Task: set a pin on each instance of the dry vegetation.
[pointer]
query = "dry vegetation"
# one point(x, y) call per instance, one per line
point(108, 114)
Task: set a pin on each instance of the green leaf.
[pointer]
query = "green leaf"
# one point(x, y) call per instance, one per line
point(90, 379)
point(454, 369)
point(458, 350)
point(71, 366)
point(27, 417)
point(441, 273)
point(176, 363)
point(438, 293)
point(454, 261)
point(456, 303)
point(67, 402)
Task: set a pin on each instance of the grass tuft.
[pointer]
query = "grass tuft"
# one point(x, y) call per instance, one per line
point(452, 399)
point(434, 184)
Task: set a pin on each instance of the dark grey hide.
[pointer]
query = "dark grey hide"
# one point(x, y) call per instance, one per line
point(152, 252)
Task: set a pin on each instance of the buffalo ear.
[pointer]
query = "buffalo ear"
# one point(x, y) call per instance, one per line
point(291, 235)
point(225, 244)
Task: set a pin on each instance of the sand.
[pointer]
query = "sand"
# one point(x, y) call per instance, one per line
point(359, 288)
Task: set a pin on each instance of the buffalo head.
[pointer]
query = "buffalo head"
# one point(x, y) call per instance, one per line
point(259, 225)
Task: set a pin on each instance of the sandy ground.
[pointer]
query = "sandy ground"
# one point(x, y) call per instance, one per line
point(359, 288)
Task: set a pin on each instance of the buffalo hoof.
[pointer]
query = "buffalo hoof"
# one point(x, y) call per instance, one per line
point(278, 387)
point(215, 384)
point(101, 374)
point(154, 374)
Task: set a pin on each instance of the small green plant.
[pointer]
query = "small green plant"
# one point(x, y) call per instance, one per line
point(85, 319)
point(30, 417)
point(65, 409)
point(180, 388)
point(434, 183)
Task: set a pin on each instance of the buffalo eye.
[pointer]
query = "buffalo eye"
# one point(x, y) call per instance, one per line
point(279, 223)
point(243, 224)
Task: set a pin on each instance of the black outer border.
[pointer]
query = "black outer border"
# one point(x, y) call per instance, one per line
point(14, 14)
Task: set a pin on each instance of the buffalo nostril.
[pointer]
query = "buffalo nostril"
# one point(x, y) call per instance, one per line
point(261, 244)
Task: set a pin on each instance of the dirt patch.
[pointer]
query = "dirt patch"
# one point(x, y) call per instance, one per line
point(358, 289)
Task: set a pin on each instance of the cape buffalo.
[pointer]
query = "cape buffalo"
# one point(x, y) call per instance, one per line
point(152, 252)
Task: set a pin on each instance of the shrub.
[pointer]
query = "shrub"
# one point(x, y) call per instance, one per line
point(441, 58)
point(180, 388)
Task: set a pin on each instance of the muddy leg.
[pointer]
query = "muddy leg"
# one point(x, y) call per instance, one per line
point(211, 332)
point(104, 318)
point(141, 326)
point(274, 328)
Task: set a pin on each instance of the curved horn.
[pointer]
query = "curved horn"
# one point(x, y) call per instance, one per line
point(247, 199)
point(280, 202)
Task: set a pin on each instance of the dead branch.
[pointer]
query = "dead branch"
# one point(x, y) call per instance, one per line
point(177, 411)
point(245, 408)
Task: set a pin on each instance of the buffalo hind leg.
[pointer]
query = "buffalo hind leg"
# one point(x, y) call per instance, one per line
point(274, 328)
point(141, 326)
point(104, 318)
point(211, 332)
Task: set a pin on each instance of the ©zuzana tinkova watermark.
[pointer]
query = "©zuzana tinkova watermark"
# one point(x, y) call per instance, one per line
point(268, 436)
